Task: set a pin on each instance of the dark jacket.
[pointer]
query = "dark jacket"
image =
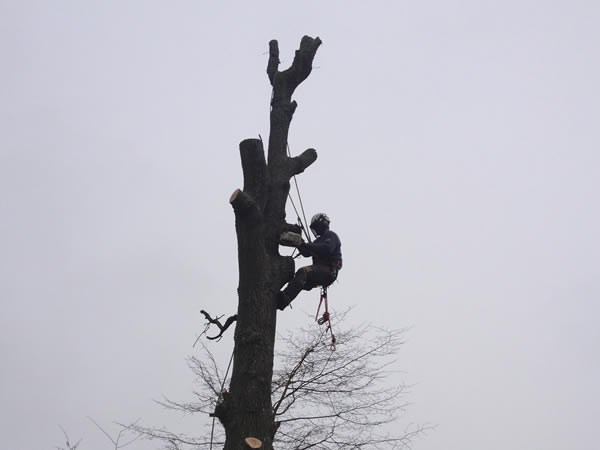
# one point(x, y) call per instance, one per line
point(326, 249)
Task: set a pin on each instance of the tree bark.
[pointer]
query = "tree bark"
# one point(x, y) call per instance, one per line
point(246, 410)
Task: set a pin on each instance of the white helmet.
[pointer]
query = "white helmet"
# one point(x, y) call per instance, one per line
point(319, 223)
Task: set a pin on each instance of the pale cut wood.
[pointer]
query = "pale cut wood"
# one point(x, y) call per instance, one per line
point(234, 195)
point(253, 442)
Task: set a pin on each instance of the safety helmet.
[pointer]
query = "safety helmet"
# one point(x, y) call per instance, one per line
point(319, 223)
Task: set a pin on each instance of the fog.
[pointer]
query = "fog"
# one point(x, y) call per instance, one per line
point(458, 160)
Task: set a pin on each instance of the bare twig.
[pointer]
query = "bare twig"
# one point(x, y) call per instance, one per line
point(68, 444)
point(116, 441)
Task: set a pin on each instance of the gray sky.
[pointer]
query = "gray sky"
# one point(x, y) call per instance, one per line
point(458, 159)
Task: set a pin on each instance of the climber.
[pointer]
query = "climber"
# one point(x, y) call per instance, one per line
point(326, 252)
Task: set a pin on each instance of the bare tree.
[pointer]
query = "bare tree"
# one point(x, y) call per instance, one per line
point(322, 399)
point(246, 411)
point(318, 398)
point(258, 403)
point(339, 399)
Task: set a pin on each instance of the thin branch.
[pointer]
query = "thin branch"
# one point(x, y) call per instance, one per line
point(68, 443)
point(103, 431)
point(120, 434)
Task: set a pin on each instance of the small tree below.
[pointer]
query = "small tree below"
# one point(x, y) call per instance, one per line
point(322, 399)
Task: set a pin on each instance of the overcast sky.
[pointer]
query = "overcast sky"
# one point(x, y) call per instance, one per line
point(458, 159)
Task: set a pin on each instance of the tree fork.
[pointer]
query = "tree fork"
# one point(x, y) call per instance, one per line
point(247, 410)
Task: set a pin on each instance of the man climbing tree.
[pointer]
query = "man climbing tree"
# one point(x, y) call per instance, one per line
point(326, 252)
point(246, 409)
point(318, 399)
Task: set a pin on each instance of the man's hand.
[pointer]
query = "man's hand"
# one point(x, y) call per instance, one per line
point(304, 249)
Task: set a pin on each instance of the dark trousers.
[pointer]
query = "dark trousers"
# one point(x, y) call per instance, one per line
point(309, 277)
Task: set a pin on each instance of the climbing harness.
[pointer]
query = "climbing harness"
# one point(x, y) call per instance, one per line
point(326, 317)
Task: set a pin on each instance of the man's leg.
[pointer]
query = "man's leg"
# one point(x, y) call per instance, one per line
point(294, 287)
point(320, 275)
point(306, 278)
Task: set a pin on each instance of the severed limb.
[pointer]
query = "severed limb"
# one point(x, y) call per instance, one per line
point(303, 160)
point(216, 321)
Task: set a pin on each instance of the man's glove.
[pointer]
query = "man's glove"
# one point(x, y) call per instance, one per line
point(304, 249)
point(295, 228)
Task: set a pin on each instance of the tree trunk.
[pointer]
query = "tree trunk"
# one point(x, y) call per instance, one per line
point(246, 410)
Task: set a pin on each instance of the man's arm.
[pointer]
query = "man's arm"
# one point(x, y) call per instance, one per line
point(323, 248)
point(304, 250)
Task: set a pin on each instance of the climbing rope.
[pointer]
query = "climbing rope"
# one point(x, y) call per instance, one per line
point(300, 223)
point(304, 225)
point(212, 430)
point(326, 318)
point(305, 229)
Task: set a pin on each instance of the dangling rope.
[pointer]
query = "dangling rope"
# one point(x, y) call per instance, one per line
point(326, 316)
point(212, 430)
point(300, 223)
point(305, 225)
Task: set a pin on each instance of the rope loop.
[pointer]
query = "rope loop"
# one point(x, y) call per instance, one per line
point(326, 317)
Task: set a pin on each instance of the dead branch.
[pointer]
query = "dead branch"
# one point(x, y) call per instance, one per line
point(217, 322)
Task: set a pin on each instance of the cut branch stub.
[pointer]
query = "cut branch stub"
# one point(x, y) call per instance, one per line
point(243, 204)
point(303, 160)
point(302, 65)
point(254, 167)
point(273, 63)
point(287, 81)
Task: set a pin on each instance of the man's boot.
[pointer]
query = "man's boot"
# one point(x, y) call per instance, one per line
point(282, 301)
